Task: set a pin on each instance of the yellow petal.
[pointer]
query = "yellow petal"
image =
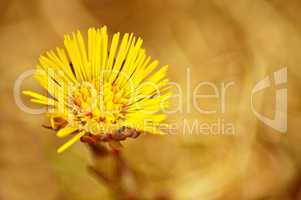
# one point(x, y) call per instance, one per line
point(39, 97)
point(70, 142)
point(66, 131)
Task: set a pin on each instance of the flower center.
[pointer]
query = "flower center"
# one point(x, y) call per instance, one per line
point(95, 112)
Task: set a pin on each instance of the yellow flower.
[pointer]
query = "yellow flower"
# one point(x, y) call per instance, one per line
point(100, 89)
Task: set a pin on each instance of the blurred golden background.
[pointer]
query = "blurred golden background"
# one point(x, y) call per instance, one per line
point(219, 41)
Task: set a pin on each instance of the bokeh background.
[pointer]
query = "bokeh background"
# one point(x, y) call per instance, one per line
point(241, 41)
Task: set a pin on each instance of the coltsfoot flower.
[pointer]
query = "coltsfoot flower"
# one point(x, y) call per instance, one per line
point(101, 86)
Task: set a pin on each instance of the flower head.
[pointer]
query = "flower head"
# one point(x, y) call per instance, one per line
point(101, 86)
